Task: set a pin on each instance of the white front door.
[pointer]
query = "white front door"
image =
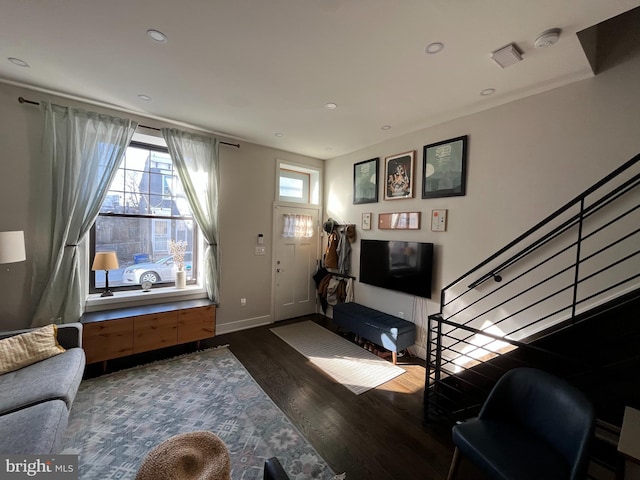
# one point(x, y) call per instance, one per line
point(295, 260)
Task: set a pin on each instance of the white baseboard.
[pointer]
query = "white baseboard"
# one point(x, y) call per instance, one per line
point(243, 324)
point(419, 350)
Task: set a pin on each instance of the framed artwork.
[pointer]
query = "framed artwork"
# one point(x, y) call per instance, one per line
point(399, 221)
point(444, 168)
point(398, 174)
point(365, 181)
point(366, 221)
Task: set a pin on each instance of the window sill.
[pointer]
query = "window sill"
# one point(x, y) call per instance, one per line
point(134, 298)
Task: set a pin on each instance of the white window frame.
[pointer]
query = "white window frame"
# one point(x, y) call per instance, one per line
point(127, 298)
point(311, 182)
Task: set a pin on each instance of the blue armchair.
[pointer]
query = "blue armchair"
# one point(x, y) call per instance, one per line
point(532, 426)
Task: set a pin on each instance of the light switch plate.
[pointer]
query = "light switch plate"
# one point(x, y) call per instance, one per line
point(439, 220)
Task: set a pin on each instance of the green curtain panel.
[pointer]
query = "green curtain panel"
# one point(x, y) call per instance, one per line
point(197, 163)
point(81, 151)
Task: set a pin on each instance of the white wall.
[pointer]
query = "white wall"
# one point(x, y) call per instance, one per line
point(525, 160)
point(247, 193)
point(17, 143)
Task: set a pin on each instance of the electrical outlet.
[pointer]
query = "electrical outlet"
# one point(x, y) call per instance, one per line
point(260, 251)
point(243, 302)
point(401, 314)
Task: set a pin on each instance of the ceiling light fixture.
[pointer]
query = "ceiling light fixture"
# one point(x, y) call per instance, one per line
point(157, 36)
point(385, 127)
point(19, 62)
point(146, 98)
point(279, 135)
point(330, 106)
point(548, 38)
point(433, 48)
point(488, 91)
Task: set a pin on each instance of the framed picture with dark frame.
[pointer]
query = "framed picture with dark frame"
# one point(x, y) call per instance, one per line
point(444, 166)
point(398, 174)
point(365, 181)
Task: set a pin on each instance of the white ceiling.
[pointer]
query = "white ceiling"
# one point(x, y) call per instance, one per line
point(248, 69)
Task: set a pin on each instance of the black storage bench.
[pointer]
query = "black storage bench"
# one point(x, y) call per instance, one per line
point(393, 333)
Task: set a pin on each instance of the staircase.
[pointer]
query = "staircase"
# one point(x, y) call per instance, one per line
point(564, 297)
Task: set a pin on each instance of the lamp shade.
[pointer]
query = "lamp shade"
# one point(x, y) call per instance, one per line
point(105, 261)
point(12, 247)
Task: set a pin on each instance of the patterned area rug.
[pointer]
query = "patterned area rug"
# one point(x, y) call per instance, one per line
point(117, 419)
point(352, 366)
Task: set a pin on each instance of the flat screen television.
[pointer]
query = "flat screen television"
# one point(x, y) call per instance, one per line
point(397, 265)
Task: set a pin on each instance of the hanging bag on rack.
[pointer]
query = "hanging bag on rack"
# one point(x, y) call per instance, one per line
point(331, 253)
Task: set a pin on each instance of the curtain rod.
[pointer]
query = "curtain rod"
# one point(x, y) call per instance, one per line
point(24, 100)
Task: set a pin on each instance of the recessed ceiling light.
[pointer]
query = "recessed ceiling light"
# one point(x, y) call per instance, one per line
point(433, 48)
point(146, 98)
point(157, 36)
point(278, 134)
point(488, 91)
point(330, 106)
point(385, 127)
point(19, 62)
point(328, 149)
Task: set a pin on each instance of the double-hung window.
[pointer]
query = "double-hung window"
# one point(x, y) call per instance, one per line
point(144, 210)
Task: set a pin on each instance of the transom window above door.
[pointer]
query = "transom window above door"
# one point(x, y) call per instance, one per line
point(298, 184)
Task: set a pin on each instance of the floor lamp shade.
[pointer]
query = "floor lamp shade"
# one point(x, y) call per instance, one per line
point(12, 247)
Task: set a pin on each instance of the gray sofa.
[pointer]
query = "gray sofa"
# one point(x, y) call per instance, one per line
point(35, 400)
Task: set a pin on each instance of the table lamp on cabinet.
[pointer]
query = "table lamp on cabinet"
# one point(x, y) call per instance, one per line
point(105, 261)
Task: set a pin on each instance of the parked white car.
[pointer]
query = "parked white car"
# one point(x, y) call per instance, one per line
point(162, 270)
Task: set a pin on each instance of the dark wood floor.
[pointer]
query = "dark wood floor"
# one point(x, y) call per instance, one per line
point(377, 435)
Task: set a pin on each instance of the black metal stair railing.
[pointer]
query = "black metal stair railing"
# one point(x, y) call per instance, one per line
point(572, 264)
